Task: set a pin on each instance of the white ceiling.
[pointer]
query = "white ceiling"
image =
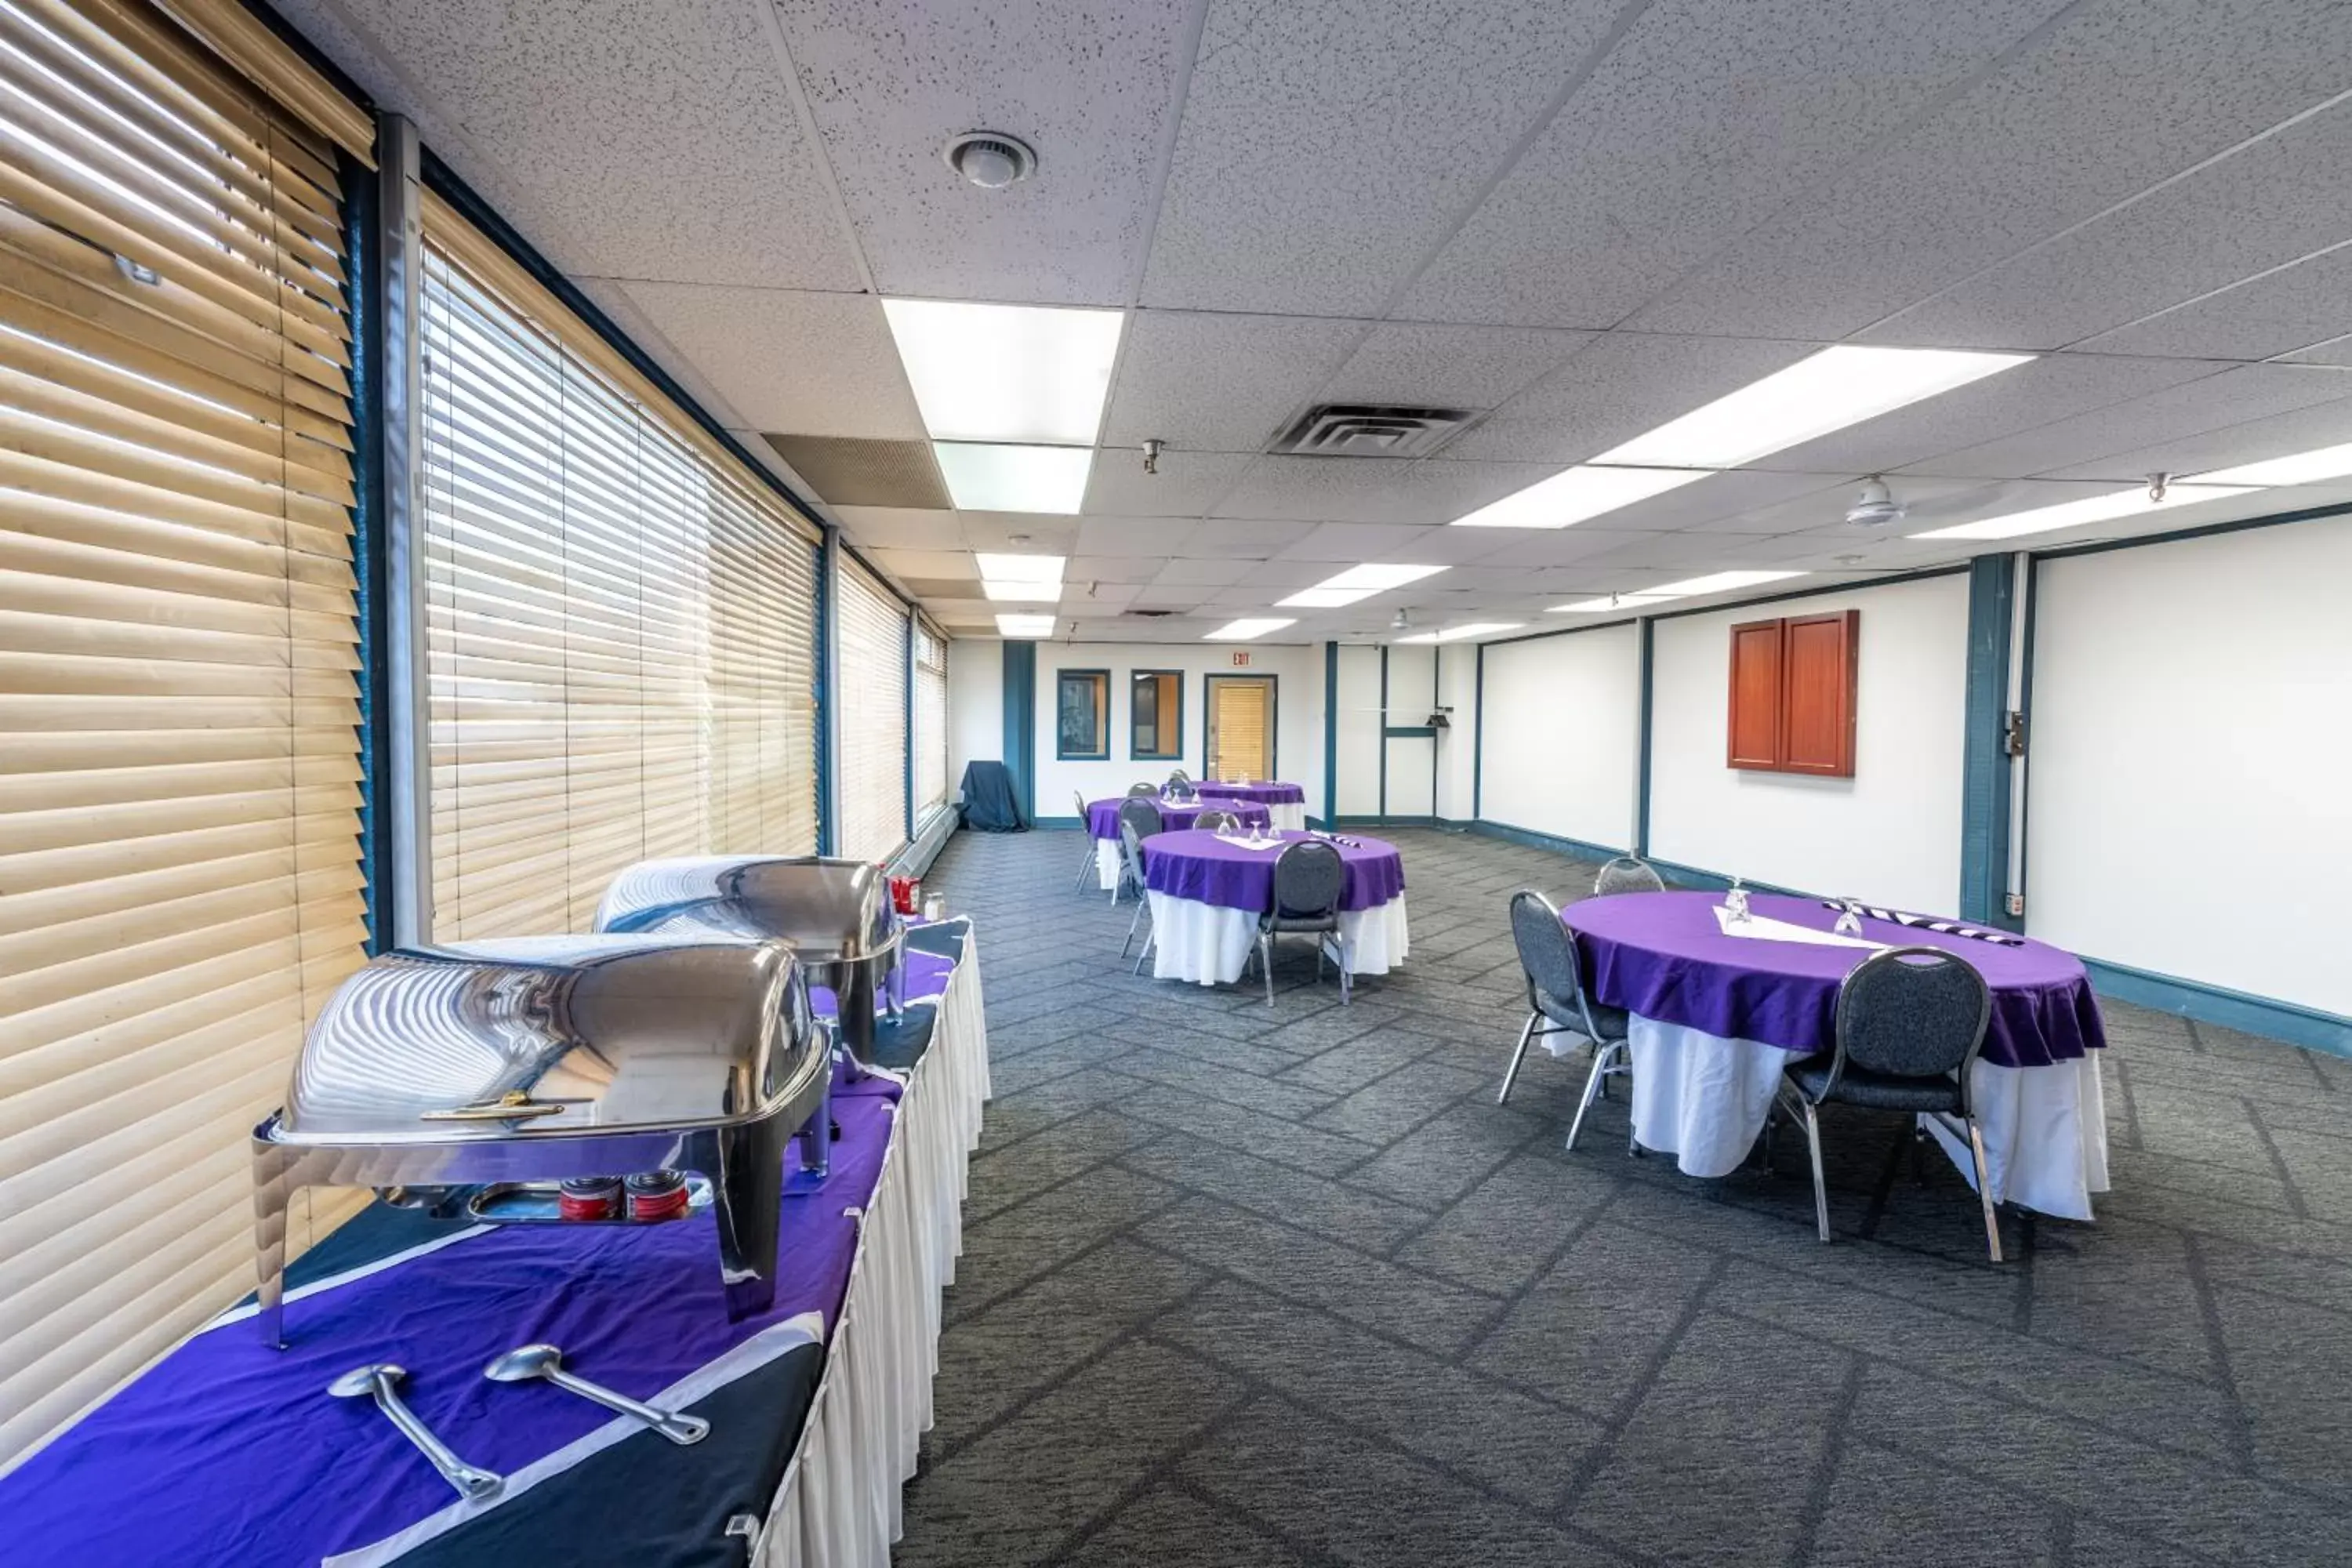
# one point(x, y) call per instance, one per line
point(1582, 217)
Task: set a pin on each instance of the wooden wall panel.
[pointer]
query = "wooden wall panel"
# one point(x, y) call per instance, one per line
point(1754, 733)
point(1817, 712)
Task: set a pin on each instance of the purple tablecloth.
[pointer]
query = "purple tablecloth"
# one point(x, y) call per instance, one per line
point(1662, 955)
point(1211, 870)
point(1102, 816)
point(1266, 792)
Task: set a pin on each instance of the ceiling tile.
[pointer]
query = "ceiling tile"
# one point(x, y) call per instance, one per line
point(1552, 547)
point(1254, 539)
point(930, 564)
point(1019, 530)
point(1620, 385)
point(1352, 542)
point(1199, 575)
point(1220, 383)
point(1374, 489)
point(2267, 206)
point(1708, 117)
point(1110, 568)
point(1143, 536)
point(2335, 350)
point(901, 528)
point(1187, 485)
point(1091, 598)
point(663, 146)
point(1088, 87)
point(796, 362)
point(2301, 429)
point(2274, 313)
point(2112, 97)
point(1326, 147)
point(1430, 365)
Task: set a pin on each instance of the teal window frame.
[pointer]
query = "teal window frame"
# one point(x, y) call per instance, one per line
point(1172, 734)
point(1101, 753)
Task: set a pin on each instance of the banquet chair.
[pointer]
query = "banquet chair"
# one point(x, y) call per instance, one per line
point(1308, 879)
point(1212, 821)
point(1147, 820)
point(1087, 839)
point(1628, 874)
point(1910, 1022)
point(1178, 779)
point(1131, 855)
point(1557, 1002)
point(1137, 791)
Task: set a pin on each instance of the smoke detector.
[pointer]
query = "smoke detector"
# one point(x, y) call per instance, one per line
point(1875, 507)
point(990, 159)
point(1403, 621)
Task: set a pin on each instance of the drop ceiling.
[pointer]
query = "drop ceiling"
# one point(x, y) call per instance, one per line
point(1580, 218)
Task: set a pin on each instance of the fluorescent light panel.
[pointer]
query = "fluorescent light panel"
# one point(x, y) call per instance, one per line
point(1006, 373)
point(1714, 583)
point(1575, 494)
point(1243, 630)
point(1021, 568)
point(1025, 625)
point(1819, 393)
point(1015, 479)
point(1358, 582)
point(1325, 599)
point(1455, 634)
point(2296, 469)
point(2090, 508)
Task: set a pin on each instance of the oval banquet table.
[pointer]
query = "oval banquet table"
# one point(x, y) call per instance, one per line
point(1102, 821)
point(1716, 1016)
point(1207, 892)
point(1287, 802)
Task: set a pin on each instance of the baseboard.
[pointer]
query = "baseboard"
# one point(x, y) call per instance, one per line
point(930, 836)
point(1574, 848)
point(1344, 820)
point(2263, 1016)
point(1056, 824)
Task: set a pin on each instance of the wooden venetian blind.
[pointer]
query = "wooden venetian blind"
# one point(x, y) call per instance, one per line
point(873, 716)
point(1241, 714)
point(621, 622)
point(930, 739)
point(180, 887)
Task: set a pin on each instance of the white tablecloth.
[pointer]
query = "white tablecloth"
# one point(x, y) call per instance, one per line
point(1704, 1100)
point(1290, 813)
point(1106, 864)
point(838, 1505)
point(1208, 944)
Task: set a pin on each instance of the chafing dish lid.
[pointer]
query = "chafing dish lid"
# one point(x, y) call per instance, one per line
point(829, 910)
point(548, 1036)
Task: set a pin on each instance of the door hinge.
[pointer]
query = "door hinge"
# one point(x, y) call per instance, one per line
point(2012, 733)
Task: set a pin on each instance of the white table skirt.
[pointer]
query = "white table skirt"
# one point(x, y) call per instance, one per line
point(839, 1503)
point(1208, 944)
point(1290, 813)
point(1704, 1100)
point(1106, 864)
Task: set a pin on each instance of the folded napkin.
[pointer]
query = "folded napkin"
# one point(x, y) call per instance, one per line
point(1762, 928)
point(1928, 923)
point(1268, 844)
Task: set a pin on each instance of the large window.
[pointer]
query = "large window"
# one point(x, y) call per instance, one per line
point(180, 885)
point(621, 621)
point(873, 716)
point(1155, 715)
point(931, 719)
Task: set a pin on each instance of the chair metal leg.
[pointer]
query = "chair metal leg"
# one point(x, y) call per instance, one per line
point(1984, 1191)
point(1518, 1053)
point(1601, 1056)
point(1141, 908)
point(1086, 863)
point(1821, 1184)
point(1265, 962)
point(1150, 942)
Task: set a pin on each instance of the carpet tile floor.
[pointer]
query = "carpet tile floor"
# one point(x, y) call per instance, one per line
point(1284, 1285)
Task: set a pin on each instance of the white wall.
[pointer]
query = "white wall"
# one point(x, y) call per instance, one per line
point(1457, 747)
point(1561, 734)
point(1356, 746)
point(1411, 778)
point(2189, 765)
point(975, 706)
point(1892, 832)
point(1298, 719)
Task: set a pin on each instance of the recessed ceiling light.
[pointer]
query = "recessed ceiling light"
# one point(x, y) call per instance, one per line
point(1243, 630)
point(1020, 593)
point(1714, 583)
point(2090, 508)
point(1019, 568)
point(1575, 494)
point(1006, 373)
point(1015, 479)
point(1475, 629)
point(1025, 625)
point(2296, 469)
point(1358, 582)
point(1819, 393)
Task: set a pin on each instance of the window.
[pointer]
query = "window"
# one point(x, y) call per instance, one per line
point(930, 720)
point(1155, 715)
point(873, 715)
point(620, 619)
point(1082, 715)
point(1793, 695)
point(179, 761)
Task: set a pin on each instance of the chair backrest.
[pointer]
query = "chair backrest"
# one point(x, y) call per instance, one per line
point(1547, 948)
point(1130, 849)
point(1135, 790)
point(1211, 821)
point(1179, 776)
point(1915, 1012)
point(1080, 797)
point(1308, 878)
point(1144, 814)
point(1626, 874)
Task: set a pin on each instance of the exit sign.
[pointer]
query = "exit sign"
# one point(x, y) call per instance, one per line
point(1241, 656)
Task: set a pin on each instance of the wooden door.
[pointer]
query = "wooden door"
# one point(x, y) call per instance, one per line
point(1241, 727)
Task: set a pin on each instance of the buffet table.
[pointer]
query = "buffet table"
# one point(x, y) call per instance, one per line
point(1207, 892)
point(1716, 1016)
point(230, 1451)
point(1287, 802)
point(1175, 816)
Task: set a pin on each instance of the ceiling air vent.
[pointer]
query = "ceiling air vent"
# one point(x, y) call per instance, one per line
point(1149, 614)
point(1372, 430)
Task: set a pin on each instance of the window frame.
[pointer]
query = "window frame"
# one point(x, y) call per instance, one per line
point(1101, 678)
point(1165, 753)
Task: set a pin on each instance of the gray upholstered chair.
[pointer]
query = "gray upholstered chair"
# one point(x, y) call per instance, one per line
point(1179, 783)
point(1309, 877)
point(1628, 874)
point(1557, 1002)
point(1087, 839)
point(1130, 843)
point(1145, 814)
point(1140, 791)
point(1213, 820)
point(1910, 1022)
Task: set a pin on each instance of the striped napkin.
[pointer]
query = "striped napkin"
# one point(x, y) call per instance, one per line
point(1927, 922)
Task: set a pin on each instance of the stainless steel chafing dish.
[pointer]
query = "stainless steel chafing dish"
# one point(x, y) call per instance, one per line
point(439, 1074)
point(836, 913)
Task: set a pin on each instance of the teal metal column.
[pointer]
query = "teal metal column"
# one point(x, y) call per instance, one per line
point(1641, 785)
point(1330, 734)
point(1020, 724)
point(1984, 760)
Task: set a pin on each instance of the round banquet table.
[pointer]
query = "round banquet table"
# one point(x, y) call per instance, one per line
point(1207, 892)
point(1715, 1017)
point(1102, 821)
point(1287, 801)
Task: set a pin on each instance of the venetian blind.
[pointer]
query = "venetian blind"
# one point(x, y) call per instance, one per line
point(180, 885)
point(873, 716)
point(931, 738)
point(620, 619)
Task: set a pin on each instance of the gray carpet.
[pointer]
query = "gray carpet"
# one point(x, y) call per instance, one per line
point(1282, 1286)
